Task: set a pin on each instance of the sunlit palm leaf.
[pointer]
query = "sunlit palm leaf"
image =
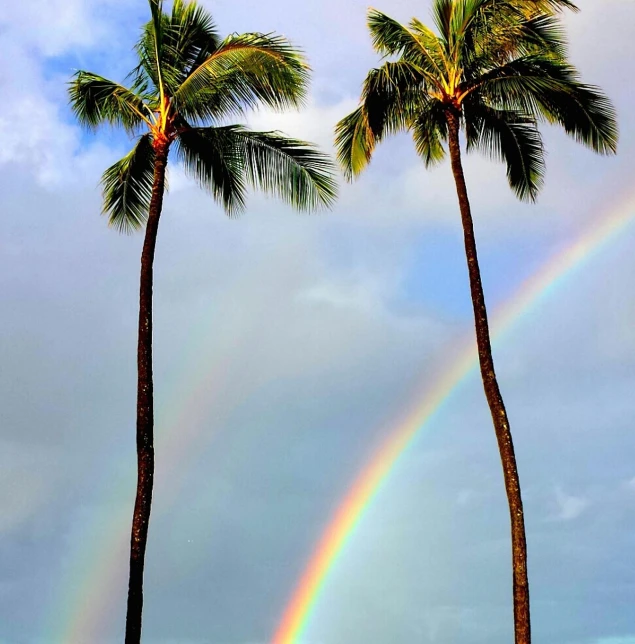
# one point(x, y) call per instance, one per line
point(254, 68)
point(96, 100)
point(390, 38)
point(390, 98)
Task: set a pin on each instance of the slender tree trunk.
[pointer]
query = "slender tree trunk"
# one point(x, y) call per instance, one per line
point(494, 399)
point(145, 406)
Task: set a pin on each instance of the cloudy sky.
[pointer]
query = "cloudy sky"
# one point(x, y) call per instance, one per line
point(287, 346)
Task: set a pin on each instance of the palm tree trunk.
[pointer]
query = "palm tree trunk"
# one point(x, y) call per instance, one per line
point(145, 406)
point(494, 399)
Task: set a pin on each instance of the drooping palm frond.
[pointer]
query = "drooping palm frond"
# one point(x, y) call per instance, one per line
point(95, 100)
point(390, 96)
point(511, 137)
point(429, 132)
point(551, 89)
point(211, 157)
point(292, 170)
point(355, 142)
point(226, 159)
point(127, 187)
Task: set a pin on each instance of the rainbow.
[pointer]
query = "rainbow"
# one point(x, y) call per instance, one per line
point(402, 435)
point(99, 566)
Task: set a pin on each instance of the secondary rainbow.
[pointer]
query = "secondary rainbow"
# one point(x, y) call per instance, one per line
point(99, 566)
point(402, 434)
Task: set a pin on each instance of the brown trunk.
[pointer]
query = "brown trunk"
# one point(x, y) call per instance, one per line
point(494, 399)
point(145, 407)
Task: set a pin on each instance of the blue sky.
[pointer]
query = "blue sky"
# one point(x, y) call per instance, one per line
point(285, 344)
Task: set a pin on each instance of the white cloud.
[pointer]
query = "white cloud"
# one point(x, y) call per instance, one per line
point(314, 123)
point(568, 507)
point(52, 27)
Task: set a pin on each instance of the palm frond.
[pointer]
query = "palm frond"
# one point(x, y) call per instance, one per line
point(212, 158)
point(252, 69)
point(495, 33)
point(153, 73)
point(420, 47)
point(355, 142)
point(545, 6)
point(390, 97)
point(189, 36)
point(225, 159)
point(127, 187)
point(429, 131)
point(551, 89)
point(155, 46)
point(512, 137)
point(442, 11)
point(96, 100)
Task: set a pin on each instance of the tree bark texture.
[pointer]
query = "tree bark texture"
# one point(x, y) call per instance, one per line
point(522, 627)
point(145, 407)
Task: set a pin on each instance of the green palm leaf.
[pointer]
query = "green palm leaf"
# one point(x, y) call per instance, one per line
point(389, 102)
point(127, 187)
point(551, 89)
point(96, 100)
point(226, 159)
point(512, 137)
point(212, 158)
point(429, 132)
point(421, 48)
point(249, 69)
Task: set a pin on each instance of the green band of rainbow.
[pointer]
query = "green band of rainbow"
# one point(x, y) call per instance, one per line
point(402, 435)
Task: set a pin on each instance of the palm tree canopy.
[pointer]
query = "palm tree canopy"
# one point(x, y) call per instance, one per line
point(499, 66)
point(188, 83)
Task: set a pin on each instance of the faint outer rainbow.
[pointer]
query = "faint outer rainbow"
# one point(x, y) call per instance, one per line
point(97, 574)
point(403, 433)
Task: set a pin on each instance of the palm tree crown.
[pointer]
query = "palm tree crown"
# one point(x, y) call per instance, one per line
point(188, 83)
point(500, 67)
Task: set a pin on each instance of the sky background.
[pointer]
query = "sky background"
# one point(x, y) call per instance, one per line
point(286, 346)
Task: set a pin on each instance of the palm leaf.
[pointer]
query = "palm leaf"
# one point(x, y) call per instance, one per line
point(551, 89)
point(127, 187)
point(96, 100)
point(390, 96)
point(250, 69)
point(355, 142)
point(188, 37)
point(429, 131)
point(225, 159)
point(211, 157)
point(512, 137)
point(421, 48)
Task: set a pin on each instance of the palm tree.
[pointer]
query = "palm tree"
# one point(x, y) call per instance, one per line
point(186, 86)
point(494, 69)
